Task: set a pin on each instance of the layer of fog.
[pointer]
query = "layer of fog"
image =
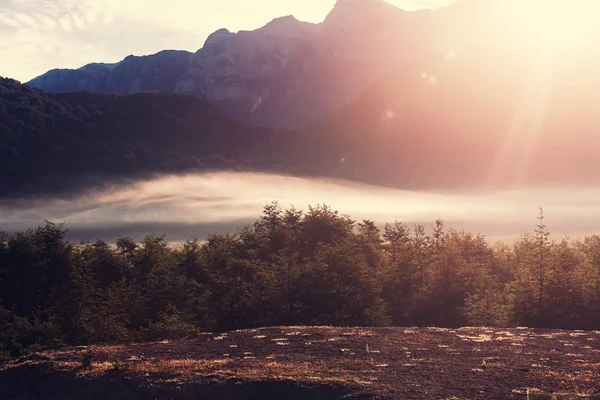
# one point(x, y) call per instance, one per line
point(194, 206)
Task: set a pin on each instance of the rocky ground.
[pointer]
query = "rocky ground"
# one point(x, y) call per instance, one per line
point(321, 363)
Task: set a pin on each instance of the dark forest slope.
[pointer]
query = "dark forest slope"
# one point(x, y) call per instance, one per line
point(57, 143)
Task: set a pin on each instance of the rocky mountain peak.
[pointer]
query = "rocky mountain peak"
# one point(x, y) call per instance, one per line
point(354, 11)
point(217, 36)
point(285, 21)
point(288, 26)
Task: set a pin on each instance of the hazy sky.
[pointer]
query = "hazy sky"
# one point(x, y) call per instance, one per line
point(38, 35)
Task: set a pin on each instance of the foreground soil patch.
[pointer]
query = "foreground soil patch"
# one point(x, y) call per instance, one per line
point(321, 363)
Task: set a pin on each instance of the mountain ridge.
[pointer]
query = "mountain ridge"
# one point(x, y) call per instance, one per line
point(291, 74)
point(287, 73)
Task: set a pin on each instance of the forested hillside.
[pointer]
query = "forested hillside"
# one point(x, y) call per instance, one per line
point(64, 142)
point(315, 267)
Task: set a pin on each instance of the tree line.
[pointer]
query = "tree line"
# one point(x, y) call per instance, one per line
point(291, 267)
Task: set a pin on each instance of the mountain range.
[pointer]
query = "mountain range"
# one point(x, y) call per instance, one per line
point(286, 74)
point(423, 100)
point(290, 74)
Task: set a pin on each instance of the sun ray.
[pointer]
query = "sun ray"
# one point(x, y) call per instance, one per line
point(513, 159)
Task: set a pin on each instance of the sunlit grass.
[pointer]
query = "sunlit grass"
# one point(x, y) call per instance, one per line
point(368, 357)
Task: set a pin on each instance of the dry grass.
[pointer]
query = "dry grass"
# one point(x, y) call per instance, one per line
point(393, 362)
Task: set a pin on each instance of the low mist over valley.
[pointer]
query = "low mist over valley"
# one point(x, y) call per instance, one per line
point(194, 205)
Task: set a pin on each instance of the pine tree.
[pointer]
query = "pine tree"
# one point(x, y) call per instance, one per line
point(541, 235)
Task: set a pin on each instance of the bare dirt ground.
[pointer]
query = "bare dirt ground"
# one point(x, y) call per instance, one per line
point(322, 362)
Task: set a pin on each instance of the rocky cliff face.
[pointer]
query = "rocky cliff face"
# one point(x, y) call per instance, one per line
point(286, 74)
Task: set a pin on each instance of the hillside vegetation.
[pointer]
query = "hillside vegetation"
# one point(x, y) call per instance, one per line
point(289, 268)
point(61, 143)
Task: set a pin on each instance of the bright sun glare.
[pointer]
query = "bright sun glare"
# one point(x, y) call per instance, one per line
point(550, 35)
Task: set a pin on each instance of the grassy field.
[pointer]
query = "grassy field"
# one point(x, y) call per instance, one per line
point(322, 362)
